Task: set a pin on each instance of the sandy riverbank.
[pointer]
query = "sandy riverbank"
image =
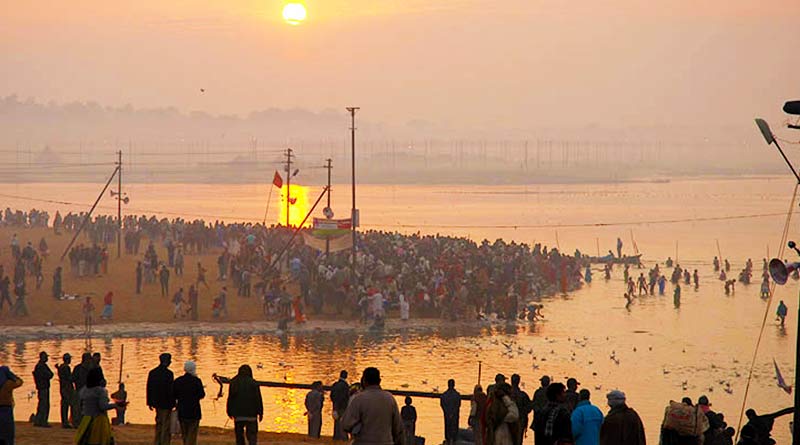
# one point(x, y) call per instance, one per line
point(143, 435)
point(150, 313)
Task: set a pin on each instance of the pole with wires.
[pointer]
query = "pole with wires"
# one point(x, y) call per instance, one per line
point(89, 214)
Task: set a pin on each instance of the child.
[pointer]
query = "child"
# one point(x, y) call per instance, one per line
point(409, 416)
point(120, 396)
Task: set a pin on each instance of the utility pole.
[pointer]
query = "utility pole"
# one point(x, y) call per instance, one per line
point(119, 203)
point(288, 181)
point(353, 212)
point(328, 209)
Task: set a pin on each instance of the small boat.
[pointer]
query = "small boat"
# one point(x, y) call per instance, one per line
point(636, 259)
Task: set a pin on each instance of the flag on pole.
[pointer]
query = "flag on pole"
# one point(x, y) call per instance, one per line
point(781, 382)
point(277, 181)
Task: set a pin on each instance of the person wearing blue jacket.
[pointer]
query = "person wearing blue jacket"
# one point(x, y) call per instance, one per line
point(586, 421)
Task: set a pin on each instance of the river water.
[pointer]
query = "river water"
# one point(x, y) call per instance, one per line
point(705, 346)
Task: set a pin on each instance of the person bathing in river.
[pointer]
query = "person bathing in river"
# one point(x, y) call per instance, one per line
point(765, 288)
point(662, 284)
point(696, 280)
point(729, 287)
point(782, 312)
point(676, 296)
point(642, 285)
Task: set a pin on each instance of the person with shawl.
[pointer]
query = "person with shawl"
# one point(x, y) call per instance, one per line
point(501, 417)
point(95, 428)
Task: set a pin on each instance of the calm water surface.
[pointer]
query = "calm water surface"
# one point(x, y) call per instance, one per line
point(707, 343)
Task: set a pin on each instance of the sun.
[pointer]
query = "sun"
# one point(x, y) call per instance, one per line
point(294, 13)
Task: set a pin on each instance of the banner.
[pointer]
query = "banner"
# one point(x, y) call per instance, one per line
point(324, 227)
point(337, 243)
point(332, 224)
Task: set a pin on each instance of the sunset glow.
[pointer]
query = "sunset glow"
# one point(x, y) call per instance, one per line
point(294, 13)
point(298, 210)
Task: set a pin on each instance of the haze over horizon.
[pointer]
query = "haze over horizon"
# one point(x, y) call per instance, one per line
point(516, 65)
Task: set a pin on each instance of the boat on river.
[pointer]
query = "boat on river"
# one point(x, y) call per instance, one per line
point(611, 259)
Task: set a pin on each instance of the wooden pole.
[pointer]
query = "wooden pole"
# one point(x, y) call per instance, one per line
point(88, 215)
point(121, 358)
point(480, 366)
point(397, 392)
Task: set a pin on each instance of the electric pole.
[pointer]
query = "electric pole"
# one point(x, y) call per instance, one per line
point(288, 182)
point(353, 212)
point(328, 210)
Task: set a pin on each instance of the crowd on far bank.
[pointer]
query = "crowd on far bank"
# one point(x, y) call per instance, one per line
point(417, 275)
point(365, 414)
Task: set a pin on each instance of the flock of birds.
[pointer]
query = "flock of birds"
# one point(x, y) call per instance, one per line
point(546, 357)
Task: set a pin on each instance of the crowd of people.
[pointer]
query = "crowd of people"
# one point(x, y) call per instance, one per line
point(418, 275)
point(556, 413)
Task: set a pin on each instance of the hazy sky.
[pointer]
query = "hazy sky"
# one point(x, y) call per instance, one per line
point(512, 63)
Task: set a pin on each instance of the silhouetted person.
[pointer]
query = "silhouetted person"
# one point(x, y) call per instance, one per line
point(340, 396)
point(450, 401)
point(42, 376)
point(245, 406)
point(160, 397)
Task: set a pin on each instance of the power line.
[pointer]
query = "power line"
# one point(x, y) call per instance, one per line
point(439, 226)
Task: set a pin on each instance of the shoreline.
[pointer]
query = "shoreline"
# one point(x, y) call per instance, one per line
point(200, 328)
point(136, 434)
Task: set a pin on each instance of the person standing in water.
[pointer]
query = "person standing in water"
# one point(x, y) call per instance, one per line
point(619, 248)
point(676, 296)
point(642, 284)
point(782, 312)
point(662, 283)
point(696, 277)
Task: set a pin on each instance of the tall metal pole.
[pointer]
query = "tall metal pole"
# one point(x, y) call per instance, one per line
point(353, 211)
point(327, 240)
point(119, 204)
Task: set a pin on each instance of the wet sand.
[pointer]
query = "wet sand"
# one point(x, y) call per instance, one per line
point(143, 435)
point(186, 329)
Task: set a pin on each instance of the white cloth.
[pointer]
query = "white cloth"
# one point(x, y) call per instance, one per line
point(502, 434)
point(404, 308)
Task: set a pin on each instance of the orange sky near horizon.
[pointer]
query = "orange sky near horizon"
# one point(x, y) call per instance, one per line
point(455, 62)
